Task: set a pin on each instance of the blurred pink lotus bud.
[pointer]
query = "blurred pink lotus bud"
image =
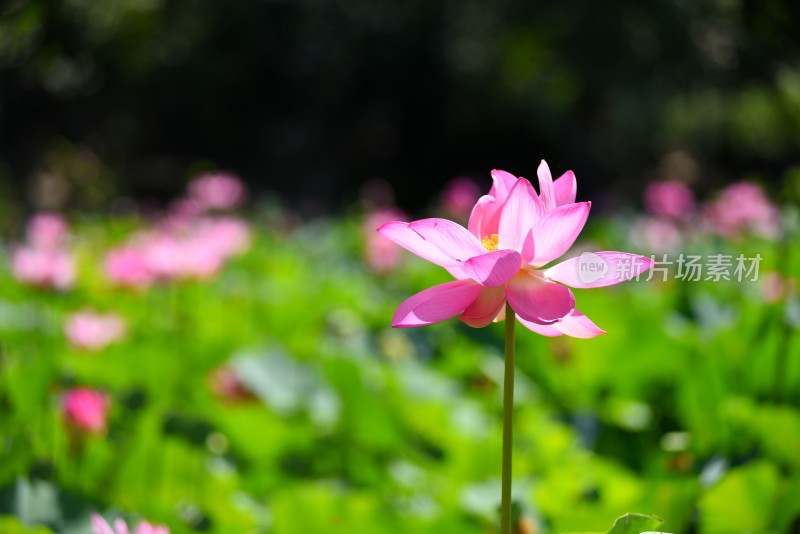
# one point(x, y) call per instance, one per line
point(381, 254)
point(670, 199)
point(100, 526)
point(772, 287)
point(43, 267)
point(184, 210)
point(662, 235)
point(459, 196)
point(46, 230)
point(85, 409)
point(656, 234)
point(221, 191)
point(743, 208)
point(147, 528)
point(127, 267)
point(224, 383)
point(94, 331)
point(775, 287)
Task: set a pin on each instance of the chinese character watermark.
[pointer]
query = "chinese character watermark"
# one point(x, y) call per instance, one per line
point(593, 268)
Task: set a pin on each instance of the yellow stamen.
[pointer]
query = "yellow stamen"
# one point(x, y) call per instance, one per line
point(490, 242)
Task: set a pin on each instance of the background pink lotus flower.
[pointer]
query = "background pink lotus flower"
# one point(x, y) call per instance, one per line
point(458, 197)
point(743, 208)
point(43, 261)
point(228, 236)
point(94, 331)
point(199, 259)
point(85, 409)
point(43, 267)
point(127, 267)
point(776, 287)
point(46, 230)
point(656, 234)
point(196, 250)
point(513, 233)
point(670, 199)
point(100, 526)
point(381, 254)
point(221, 191)
point(163, 255)
point(184, 210)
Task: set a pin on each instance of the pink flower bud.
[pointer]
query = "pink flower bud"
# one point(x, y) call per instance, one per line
point(46, 230)
point(101, 526)
point(94, 331)
point(221, 191)
point(743, 208)
point(459, 196)
point(127, 267)
point(85, 409)
point(381, 254)
point(42, 267)
point(670, 199)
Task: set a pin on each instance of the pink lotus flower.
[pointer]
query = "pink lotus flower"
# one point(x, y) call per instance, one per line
point(127, 267)
point(227, 236)
point(669, 199)
point(43, 267)
point(743, 208)
point(100, 526)
point(179, 257)
point(381, 254)
point(776, 287)
point(94, 331)
point(656, 234)
point(46, 230)
point(199, 259)
point(221, 191)
point(197, 250)
point(184, 210)
point(458, 197)
point(513, 233)
point(85, 409)
point(43, 262)
point(162, 254)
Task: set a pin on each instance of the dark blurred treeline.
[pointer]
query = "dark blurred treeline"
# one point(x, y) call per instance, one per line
point(311, 98)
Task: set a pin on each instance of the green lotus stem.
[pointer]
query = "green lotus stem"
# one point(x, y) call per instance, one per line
point(508, 408)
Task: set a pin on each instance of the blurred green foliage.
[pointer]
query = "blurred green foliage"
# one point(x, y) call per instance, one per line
point(687, 409)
